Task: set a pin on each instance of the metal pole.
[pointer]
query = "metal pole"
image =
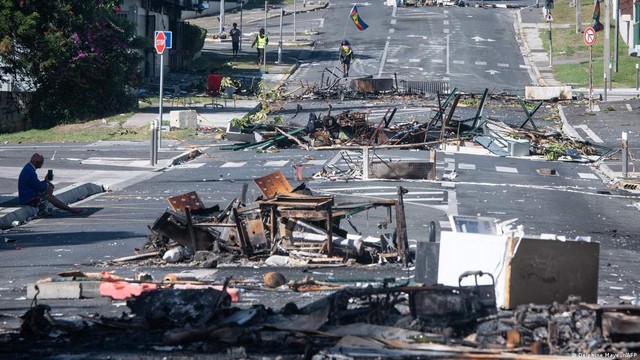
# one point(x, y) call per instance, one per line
point(280, 42)
point(365, 163)
point(241, 33)
point(294, 20)
point(264, 51)
point(152, 150)
point(637, 78)
point(160, 101)
point(615, 54)
point(605, 85)
point(590, 78)
point(625, 155)
point(610, 79)
point(578, 16)
point(550, 46)
point(221, 16)
point(606, 67)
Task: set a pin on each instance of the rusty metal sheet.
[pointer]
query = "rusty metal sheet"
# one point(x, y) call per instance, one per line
point(372, 85)
point(190, 200)
point(255, 232)
point(273, 184)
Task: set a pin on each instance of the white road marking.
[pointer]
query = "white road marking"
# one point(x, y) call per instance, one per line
point(511, 170)
point(384, 55)
point(503, 65)
point(587, 176)
point(481, 63)
point(393, 21)
point(315, 162)
point(436, 61)
point(414, 60)
point(629, 107)
point(232, 164)
point(458, 62)
point(464, 166)
point(392, 60)
point(276, 163)
point(392, 30)
point(590, 133)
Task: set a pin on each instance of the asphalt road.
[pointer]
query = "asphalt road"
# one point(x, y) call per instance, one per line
point(575, 202)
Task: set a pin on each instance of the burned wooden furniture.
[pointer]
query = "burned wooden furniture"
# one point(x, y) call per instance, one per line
point(294, 206)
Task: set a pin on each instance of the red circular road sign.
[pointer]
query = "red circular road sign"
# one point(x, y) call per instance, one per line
point(160, 42)
point(589, 36)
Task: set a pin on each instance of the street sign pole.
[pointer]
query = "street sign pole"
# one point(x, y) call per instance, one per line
point(160, 102)
point(590, 78)
point(590, 39)
point(162, 41)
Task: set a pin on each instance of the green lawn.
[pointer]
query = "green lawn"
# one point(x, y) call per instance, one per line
point(571, 54)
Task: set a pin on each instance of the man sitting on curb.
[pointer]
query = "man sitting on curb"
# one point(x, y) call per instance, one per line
point(36, 193)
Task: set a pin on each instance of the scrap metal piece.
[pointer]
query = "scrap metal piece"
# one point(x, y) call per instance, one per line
point(190, 199)
point(273, 184)
point(528, 113)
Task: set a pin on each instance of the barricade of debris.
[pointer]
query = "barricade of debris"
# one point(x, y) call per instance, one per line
point(284, 221)
point(504, 134)
point(390, 321)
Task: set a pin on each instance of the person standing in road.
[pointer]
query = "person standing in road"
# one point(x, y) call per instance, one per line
point(260, 42)
point(346, 55)
point(36, 193)
point(235, 39)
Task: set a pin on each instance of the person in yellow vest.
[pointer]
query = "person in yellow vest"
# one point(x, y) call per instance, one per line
point(346, 55)
point(260, 42)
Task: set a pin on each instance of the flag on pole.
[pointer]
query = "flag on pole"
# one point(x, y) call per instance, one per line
point(361, 25)
point(597, 26)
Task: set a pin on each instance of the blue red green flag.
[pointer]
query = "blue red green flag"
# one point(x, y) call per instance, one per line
point(361, 25)
point(597, 26)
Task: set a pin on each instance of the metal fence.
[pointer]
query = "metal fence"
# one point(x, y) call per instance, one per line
point(425, 87)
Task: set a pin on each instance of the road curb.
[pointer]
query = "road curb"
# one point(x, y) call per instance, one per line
point(68, 195)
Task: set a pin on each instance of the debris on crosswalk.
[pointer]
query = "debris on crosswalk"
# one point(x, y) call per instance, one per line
point(283, 221)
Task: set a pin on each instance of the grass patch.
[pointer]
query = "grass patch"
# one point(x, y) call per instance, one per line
point(571, 54)
point(109, 129)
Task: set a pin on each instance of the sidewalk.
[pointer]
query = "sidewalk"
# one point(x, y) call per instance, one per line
point(530, 23)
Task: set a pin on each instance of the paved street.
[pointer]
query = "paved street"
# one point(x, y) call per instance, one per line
point(578, 200)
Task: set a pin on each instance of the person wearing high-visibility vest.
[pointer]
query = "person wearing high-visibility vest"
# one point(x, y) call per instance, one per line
point(346, 55)
point(260, 42)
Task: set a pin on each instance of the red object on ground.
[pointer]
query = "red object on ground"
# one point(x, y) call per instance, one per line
point(120, 290)
point(213, 84)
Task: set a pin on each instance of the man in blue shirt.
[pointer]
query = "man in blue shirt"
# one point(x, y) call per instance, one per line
point(36, 193)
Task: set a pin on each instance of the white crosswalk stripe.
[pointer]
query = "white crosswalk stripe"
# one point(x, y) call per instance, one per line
point(278, 163)
point(232, 164)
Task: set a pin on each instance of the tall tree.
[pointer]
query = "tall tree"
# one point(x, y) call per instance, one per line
point(76, 57)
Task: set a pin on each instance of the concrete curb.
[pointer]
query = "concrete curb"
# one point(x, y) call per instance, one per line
point(76, 192)
point(68, 195)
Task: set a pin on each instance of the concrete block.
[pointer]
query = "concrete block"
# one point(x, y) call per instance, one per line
point(401, 170)
point(63, 289)
point(548, 92)
point(183, 119)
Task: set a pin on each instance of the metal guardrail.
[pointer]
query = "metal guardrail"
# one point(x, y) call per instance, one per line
point(425, 87)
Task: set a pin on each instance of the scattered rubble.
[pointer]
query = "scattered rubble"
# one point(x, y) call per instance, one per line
point(391, 321)
point(456, 118)
point(283, 221)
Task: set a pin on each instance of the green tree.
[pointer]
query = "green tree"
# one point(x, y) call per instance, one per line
point(76, 57)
